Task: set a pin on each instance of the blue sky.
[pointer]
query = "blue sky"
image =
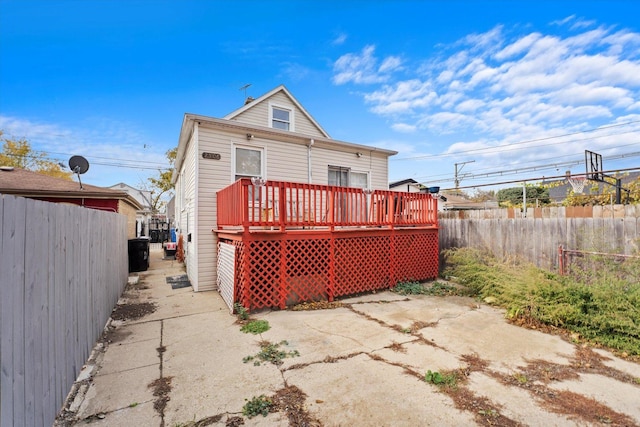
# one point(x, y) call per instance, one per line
point(517, 88)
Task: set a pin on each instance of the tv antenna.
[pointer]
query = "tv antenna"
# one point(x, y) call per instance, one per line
point(244, 88)
point(78, 165)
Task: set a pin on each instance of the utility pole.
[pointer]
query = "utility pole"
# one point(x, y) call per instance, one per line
point(456, 180)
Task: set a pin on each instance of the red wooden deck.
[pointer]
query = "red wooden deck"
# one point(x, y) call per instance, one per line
point(303, 242)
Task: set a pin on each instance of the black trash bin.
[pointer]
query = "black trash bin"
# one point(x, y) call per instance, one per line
point(139, 254)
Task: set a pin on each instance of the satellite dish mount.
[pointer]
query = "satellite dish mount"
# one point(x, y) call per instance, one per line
point(78, 165)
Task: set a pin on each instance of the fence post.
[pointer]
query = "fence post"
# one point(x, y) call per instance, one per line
point(561, 260)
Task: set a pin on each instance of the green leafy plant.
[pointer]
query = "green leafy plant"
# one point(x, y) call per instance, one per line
point(255, 327)
point(257, 406)
point(436, 378)
point(409, 288)
point(271, 353)
point(241, 312)
point(435, 288)
point(522, 379)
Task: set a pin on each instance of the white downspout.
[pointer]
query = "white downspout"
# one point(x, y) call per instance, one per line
point(311, 142)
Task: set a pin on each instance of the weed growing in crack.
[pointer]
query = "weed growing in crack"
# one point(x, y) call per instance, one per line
point(409, 288)
point(272, 353)
point(417, 288)
point(241, 312)
point(257, 406)
point(255, 327)
point(522, 379)
point(441, 380)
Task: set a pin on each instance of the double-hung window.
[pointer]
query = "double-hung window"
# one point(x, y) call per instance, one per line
point(345, 177)
point(249, 163)
point(281, 118)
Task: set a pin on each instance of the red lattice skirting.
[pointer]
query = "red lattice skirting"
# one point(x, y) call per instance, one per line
point(280, 270)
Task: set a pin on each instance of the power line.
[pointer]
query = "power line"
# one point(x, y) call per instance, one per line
point(122, 162)
point(521, 180)
point(502, 147)
point(554, 165)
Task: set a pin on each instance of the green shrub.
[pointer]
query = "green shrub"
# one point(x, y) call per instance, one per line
point(257, 406)
point(604, 310)
point(255, 327)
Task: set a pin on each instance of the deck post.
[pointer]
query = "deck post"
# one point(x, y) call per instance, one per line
point(283, 274)
point(393, 259)
point(246, 254)
point(332, 224)
point(282, 206)
point(245, 206)
point(331, 288)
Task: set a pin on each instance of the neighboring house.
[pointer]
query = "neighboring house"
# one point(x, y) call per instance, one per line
point(24, 183)
point(143, 197)
point(448, 201)
point(409, 185)
point(273, 138)
point(455, 202)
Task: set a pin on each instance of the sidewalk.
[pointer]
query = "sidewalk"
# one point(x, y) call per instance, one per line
point(360, 364)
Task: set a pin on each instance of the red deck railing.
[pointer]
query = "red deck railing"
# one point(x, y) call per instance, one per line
point(305, 242)
point(284, 205)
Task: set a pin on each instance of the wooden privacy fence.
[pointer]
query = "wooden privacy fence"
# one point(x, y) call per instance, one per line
point(62, 269)
point(536, 238)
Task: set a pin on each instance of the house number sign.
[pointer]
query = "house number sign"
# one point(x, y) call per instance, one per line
point(214, 156)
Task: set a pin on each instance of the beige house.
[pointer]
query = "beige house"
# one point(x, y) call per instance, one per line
point(272, 137)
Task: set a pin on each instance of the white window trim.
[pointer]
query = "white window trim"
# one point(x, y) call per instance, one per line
point(368, 173)
point(351, 171)
point(263, 163)
point(292, 122)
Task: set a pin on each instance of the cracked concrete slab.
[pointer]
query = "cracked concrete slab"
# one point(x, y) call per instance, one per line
point(362, 364)
point(124, 357)
point(326, 333)
point(420, 357)
point(366, 392)
point(483, 332)
point(624, 398)
point(132, 389)
point(212, 378)
point(527, 412)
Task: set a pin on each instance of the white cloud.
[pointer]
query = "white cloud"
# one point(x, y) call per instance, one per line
point(519, 46)
point(403, 127)
point(116, 151)
point(391, 63)
point(504, 86)
point(363, 68)
point(340, 39)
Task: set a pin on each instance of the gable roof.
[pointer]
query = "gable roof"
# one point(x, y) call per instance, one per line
point(22, 182)
point(269, 94)
point(403, 182)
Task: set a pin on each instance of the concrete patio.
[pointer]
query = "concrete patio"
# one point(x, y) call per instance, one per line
point(360, 364)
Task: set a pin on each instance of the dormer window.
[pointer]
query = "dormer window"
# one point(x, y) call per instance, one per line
point(281, 118)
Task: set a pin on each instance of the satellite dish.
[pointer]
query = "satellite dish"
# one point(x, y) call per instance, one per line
point(78, 165)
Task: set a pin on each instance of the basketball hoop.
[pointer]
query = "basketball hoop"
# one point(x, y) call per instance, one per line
point(577, 183)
